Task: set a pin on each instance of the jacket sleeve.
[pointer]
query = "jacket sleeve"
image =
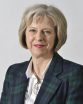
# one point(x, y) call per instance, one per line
point(6, 88)
point(75, 92)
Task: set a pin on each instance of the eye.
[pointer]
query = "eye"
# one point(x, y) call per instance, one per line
point(32, 30)
point(47, 32)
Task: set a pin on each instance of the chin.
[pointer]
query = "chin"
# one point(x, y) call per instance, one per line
point(38, 54)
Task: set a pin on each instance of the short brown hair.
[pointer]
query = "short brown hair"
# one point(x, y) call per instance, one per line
point(44, 10)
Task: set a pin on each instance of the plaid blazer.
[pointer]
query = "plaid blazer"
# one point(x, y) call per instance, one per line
point(63, 83)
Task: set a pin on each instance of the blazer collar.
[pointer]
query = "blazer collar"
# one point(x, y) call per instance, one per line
point(51, 81)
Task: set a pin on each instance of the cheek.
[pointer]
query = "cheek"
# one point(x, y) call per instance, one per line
point(29, 40)
point(51, 41)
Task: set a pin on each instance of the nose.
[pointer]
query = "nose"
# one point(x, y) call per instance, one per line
point(39, 36)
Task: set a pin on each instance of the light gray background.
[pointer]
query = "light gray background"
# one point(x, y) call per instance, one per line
point(10, 15)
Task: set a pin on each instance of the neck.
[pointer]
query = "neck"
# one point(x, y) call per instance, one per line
point(39, 65)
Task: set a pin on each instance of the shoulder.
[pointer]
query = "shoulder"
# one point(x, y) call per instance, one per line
point(66, 67)
point(72, 76)
point(17, 68)
point(71, 66)
point(72, 70)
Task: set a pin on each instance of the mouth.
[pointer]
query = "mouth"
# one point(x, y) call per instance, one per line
point(39, 45)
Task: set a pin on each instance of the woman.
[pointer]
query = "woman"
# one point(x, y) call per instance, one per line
point(46, 78)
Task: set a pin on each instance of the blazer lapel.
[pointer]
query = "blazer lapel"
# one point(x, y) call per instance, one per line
point(51, 83)
point(19, 86)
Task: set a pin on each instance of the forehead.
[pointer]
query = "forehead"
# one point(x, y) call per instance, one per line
point(44, 20)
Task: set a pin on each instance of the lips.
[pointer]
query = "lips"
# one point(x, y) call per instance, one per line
point(39, 45)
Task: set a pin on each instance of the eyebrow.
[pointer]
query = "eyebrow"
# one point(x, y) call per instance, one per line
point(43, 28)
point(32, 27)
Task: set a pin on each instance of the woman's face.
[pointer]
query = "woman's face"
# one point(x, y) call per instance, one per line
point(40, 37)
